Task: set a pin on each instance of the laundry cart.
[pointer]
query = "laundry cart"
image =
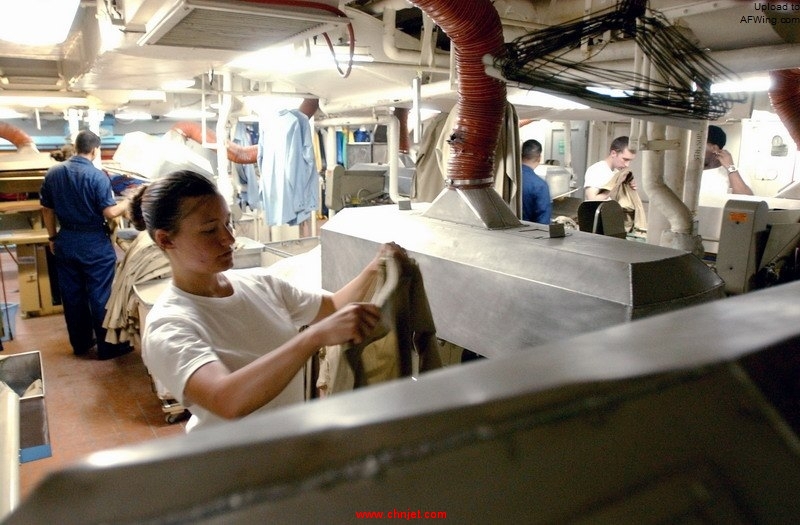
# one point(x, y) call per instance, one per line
point(146, 295)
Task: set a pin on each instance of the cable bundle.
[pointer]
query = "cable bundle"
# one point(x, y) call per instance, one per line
point(680, 87)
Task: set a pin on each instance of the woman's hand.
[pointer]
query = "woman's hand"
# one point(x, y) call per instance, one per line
point(352, 323)
point(391, 249)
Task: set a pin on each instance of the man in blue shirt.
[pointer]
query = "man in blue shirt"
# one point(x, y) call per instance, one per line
point(536, 203)
point(77, 198)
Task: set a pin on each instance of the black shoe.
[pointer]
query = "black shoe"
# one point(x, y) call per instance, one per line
point(92, 349)
point(112, 351)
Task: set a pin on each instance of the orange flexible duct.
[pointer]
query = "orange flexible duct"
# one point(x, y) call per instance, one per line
point(236, 153)
point(402, 117)
point(475, 30)
point(194, 131)
point(242, 154)
point(784, 94)
point(16, 136)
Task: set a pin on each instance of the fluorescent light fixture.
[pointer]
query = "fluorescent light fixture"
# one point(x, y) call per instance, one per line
point(609, 92)
point(189, 114)
point(249, 118)
point(132, 115)
point(8, 113)
point(745, 85)
point(43, 101)
point(283, 58)
point(176, 85)
point(148, 95)
point(534, 98)
point(38, 22)
point(270, 104)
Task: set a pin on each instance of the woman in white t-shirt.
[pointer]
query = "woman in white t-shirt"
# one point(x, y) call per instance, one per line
point(225, 342)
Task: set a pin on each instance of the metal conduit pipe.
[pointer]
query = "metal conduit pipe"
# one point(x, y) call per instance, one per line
point(475, 30)
point(391, 50)
point(224, 181)
point(392, 138)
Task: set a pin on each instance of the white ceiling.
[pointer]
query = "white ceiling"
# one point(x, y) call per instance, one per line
point(117, 46)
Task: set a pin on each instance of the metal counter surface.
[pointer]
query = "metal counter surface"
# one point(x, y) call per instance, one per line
point(576, 425)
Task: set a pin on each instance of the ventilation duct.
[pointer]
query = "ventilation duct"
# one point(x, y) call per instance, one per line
point(475, 30)
point(784, 95)
point(239, 26)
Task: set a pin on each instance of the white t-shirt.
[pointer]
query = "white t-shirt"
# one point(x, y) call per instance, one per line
point(597, 175)
point(185, 332)
point(715, 181)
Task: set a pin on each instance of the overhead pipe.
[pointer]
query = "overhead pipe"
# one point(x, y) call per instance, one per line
point(21, 140)
point(784, 95)
point(392, 137)
point(224, 179)
point(680, 234)
point(408, 56)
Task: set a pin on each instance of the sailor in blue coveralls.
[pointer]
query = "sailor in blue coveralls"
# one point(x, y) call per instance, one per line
point(79, 196)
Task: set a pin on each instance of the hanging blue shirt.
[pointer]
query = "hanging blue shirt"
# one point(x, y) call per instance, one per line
point(289, 182)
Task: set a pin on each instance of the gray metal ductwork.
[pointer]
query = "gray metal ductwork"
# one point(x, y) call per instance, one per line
point(499, 292)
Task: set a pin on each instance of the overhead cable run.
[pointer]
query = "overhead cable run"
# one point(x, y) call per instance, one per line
point(679, 86)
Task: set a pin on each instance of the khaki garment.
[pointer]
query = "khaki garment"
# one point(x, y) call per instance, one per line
point(434, 156)
point(406, 329)
point(143, 261)
point(628, 199)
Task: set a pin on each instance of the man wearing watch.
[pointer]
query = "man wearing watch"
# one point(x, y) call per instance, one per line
point(720, 175)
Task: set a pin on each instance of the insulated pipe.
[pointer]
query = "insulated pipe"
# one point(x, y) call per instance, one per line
point(784, 95)
point(21, 140)
point(475, 30)
point(661, 196)
point(407, 56)
point(676, 213)
point(694, 168)
point(392, 137)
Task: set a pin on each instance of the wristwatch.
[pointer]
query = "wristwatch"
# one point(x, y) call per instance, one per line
point(731, 168)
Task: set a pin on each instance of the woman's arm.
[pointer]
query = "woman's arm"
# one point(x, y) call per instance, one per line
point(341, 318)
point(236, 394)
point(358, 288)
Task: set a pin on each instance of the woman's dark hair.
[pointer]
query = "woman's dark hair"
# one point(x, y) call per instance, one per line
point(157, 206)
